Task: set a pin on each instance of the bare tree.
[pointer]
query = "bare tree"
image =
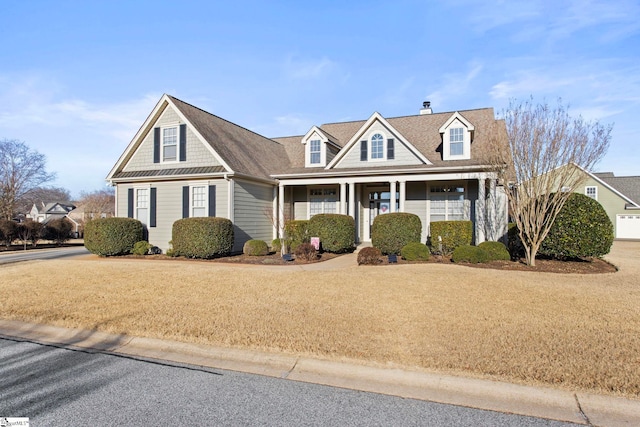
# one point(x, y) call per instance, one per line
point(21, 170)
point(544, 145)
point(98, 203)
point(41, 196)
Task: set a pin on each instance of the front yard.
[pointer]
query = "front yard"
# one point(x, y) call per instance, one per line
point(567, 330)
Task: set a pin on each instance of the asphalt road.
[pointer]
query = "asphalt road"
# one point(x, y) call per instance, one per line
point(35, 254)
point(55, 386)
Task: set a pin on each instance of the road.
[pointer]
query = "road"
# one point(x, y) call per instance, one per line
point(55, 386)
point(35, 254)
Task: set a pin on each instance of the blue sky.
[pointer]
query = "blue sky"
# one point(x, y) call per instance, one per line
point(78, 78)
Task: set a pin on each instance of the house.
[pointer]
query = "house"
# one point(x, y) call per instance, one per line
point(186, 162)
point(45, 212)
point(620, 197)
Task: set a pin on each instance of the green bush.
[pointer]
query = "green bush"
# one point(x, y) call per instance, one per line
point(415, 251)
point(58, 230)
point(369, 256)
point(471, 254)
point(452, 234)
point(336, 232)
point(276, 245)
point(306, 252)
point(297, 230)
point(202, 237)
point(141, 248)
point(392, 231)
point(497, 251)
point(8, 231)
point(582, 229)
point(255, 248)
point(112, 236)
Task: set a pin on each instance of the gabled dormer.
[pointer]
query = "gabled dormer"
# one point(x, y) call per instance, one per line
point(319, 148)
point(457, 134)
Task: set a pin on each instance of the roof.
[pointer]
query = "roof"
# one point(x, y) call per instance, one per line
point(626, 185)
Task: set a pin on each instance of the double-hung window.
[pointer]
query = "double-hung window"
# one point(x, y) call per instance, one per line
point(142, 205)
point(447, 203)
point(377, 147)
point(314, 151)
point(322, 200)
point(456, 141)
point(198, 201)
point(170, 144)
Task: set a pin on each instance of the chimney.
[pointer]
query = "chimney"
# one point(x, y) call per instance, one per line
point(426, 108)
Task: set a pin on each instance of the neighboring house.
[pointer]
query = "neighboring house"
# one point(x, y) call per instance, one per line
point(620, 197)
point(45, 212)
point(185, 162)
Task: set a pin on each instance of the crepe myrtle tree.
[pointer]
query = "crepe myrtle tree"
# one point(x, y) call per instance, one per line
point(541, 161)
point(21, 171)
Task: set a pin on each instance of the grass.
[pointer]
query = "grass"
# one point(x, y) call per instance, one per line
point(568, 330)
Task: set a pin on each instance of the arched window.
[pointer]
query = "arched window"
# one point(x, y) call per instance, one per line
point(377, 146)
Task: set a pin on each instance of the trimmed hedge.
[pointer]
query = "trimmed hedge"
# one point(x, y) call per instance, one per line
point(297, 230)
point(582, 229)
point(471, 254)
point(415, 251)
point(255, 248)
point(497, 251)
point(391, 232)
point(369, 256)
point(112, 236)
point(336, 232)
point(58, 230)
point(202, 237)
point(453, 234)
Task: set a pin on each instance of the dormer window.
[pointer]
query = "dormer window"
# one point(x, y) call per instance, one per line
point(377, 147)
point(314, 152)
point(456, 141)
point(170, 144)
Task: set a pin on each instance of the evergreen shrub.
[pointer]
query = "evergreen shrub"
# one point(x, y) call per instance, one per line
point(451, 233)
point(336, 232)
point(497, 251)
point(470, 254)
point(202, 237)
point(255, 248)
point(391, 232)
point(415, 251)
point(369, 256)
point(112, 236)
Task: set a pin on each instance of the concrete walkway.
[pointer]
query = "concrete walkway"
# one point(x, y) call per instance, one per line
point(563, 405)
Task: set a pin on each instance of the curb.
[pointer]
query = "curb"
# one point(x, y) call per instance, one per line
point(541, 402)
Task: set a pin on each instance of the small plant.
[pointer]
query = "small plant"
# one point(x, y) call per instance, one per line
point(470, 254)
point(306, 252)
point(415, 251)
point(255, 248)
point(141, 248)
point(276, 245)
point(369, 256)
point(497, 251)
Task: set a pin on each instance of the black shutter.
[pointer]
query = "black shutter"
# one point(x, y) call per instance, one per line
point(152, 210)
point(212, 200)
point(156, 145)
point(130, 203)
point(183, 143)
point(390, 149)
point(363, 151)
point(185, 201)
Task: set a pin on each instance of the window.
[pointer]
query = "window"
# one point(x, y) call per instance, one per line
point(447, 203)
point(456, 141)
point(170, 144)
point(322, 200)
point(314, 151)
point(377, 146)
point(142, 205)
point(591, 191)
point(198, 201)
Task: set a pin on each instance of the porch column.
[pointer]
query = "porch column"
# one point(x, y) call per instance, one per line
point(351, 209)
point(403, 194)
point(392, 190)
point(480, 212)
point(281, 210)
point(343, 197)
point(274, 213)
point(492, 229)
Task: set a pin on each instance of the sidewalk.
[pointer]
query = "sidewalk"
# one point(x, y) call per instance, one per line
point(578, 407)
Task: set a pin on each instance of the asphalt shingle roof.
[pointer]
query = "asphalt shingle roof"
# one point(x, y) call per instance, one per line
point(627, 185)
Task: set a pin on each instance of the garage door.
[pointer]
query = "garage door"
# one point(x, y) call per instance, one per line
point(628, 226)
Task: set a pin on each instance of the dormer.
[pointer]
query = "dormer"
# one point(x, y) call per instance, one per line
point(457, 134)
point(319, 147)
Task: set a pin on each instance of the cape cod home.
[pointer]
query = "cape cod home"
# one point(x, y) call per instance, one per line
point(186, 162)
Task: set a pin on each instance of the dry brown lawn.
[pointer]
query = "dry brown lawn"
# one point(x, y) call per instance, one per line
point(568, 330)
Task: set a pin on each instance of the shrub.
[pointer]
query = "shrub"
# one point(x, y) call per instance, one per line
point(8, 231)
point(514, 243)
point(255, 248)
point(202, 237)
point(30, 231)
point(452, 235)
point(276, 245)
point(415, 251)
point(297, 230)
point(58, 230)
point(581, 229)
point(112, 236)
point(369, 256)
point(497, 251)
point(306, 251)
point(141, 248)
point(392, 231)
point(336, 232)
point(471, 254)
